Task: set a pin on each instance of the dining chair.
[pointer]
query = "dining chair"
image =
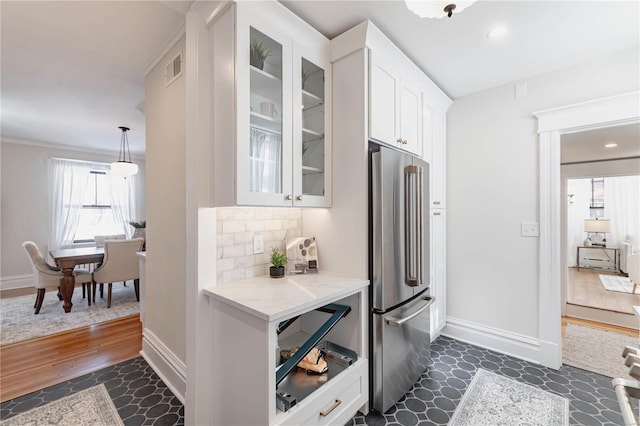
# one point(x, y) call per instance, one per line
point(100, 239)
point(47, 276)
point(120, 263)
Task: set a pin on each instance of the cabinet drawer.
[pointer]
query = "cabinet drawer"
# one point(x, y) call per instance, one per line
point(334, 403)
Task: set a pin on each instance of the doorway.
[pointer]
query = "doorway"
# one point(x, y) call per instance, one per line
point(597, 114)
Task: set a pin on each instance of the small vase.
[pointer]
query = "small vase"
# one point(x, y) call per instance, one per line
point(141, 233)
point(276, 272)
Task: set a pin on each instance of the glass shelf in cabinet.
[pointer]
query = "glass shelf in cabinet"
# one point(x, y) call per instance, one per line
point(307, 170)
point(265, 122)
point(309, 100)
point(265, 84)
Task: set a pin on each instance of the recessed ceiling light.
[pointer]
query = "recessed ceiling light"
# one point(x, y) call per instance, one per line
point(611, 145)
point(497, 32)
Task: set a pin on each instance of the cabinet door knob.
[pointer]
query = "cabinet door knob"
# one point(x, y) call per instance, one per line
point(405, 141)
point(436, 203)
point(298, 197)
point(288, 197)
point(436, 213)
point(399, 140)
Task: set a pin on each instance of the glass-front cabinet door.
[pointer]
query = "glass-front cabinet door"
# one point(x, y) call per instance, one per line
point(283, 101)
point(311, 162)
point(264, 118)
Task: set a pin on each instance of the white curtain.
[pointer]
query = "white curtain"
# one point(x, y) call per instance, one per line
point(266, 161)
point(577, 212)
point(67, 180)
point(621, 207)
point(123, 204)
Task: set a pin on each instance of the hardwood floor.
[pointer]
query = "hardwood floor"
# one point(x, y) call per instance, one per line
point(35, 364)
point(585, 289)
point(594, 324)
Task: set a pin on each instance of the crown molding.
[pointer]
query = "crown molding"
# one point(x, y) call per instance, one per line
point(50, 145)
point(163, 52)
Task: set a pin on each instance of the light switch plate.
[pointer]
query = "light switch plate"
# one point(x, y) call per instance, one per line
point(530, 229)
point(258, 244)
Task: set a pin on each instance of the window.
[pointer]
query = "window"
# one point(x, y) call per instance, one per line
point(96, 215)
point(596, 205)
point(87, 201)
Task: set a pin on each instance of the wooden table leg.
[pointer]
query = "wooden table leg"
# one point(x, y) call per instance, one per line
point(67, 284)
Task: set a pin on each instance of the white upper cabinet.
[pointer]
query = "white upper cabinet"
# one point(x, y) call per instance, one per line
point(395, 109)
point(278, 152)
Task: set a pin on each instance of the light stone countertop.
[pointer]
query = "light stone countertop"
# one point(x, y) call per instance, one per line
point(276, 299)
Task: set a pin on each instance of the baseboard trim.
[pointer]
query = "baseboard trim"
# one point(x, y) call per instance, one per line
point(16, 281)
point(165, 363)
point(438, 332)
point(508, 343)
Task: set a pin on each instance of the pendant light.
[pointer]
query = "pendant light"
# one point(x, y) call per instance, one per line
point(436, 9)
point(124, 167)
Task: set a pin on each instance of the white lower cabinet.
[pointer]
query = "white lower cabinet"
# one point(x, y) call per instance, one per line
point(246, 316)
point(438, 271)
point(335, 402)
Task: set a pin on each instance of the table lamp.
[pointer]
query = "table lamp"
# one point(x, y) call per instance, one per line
point(593, 228)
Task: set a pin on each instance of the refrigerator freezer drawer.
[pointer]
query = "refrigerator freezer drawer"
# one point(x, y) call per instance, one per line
point(401, 351)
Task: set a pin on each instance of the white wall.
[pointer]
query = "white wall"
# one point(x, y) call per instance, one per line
point(25, 201)
point(492, 186)
point(166, 211)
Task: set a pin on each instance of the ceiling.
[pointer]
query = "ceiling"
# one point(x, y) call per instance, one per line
point(590, 145)
point(72, 72)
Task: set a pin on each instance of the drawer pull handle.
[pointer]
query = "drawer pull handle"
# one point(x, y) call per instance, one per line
point(333, 407)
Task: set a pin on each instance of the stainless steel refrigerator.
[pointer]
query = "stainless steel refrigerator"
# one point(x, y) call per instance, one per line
point(399, 272)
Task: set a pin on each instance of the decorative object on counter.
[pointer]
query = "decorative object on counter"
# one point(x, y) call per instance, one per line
point(313, 362)
point(258, 54)
point(139, 231)
point(303, 255)
point(278, 260)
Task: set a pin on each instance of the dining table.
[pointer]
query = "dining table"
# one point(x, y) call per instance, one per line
point(67, 259)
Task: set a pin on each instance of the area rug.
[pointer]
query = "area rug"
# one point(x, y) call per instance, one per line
point(18, 322)
point(617, 283)
point(492, 399)
point(596, 350)
point(92, 406)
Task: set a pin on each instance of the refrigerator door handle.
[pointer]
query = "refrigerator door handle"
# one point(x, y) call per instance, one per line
point(399, 322)
point(413, 216)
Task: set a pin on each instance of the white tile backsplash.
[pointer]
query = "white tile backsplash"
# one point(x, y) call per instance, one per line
point(236, 228)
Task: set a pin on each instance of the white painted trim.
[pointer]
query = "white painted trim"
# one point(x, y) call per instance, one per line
point(597, 113)
point(16, 281)
point(552, 123)
point(170, 44)
point(512, 344)
point(165, 363)
point(437, 332)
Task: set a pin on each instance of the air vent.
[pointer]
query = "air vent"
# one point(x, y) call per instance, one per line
point(173, 70)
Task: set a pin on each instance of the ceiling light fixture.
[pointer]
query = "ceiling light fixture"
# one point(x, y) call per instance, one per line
point(611, 145)
point(124, 167)
point(497, 32)
point(436, 9)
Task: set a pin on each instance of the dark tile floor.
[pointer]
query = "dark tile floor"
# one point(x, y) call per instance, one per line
point(137, 392)
point(143, 399)
point(434, 398)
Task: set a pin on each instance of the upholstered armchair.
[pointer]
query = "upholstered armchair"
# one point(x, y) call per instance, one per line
point(100, 239)
point(47, 276)
point(120, 264)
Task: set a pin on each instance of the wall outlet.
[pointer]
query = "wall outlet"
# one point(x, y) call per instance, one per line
point(258, 244)
point(530, 229)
